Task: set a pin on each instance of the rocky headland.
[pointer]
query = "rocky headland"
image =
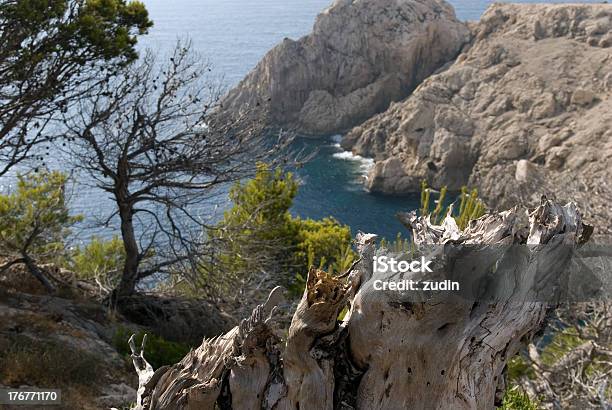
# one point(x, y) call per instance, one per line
point(523, 110)
point(526, 109)
point(361, 56)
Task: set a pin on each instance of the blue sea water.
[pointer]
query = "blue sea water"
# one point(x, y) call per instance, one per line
point(233, 35)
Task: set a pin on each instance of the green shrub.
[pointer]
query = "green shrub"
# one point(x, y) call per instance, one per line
point(99, 258)
point(259, 234)
point(515, 399)
point(158, 351)
point(34, 219)
point(324, 244)
point(258, 231)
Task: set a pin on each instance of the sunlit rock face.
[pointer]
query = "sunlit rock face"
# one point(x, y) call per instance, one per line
point(525, 109)
point(360, 56)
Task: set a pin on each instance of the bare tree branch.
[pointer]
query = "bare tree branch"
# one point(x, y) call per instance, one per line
point(148, 139)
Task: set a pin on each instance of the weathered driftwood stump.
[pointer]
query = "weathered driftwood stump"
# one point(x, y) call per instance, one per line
point(392, 350)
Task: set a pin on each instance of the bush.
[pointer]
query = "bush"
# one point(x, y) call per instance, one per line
point(34, 219)
point(258, 234)
point(324, 244)
point(99, 259)
point(258, 231)
point(158, 351)
point(34, 223)
point(515, 399)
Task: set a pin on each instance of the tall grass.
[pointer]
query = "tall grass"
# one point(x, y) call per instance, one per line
point(470, 205)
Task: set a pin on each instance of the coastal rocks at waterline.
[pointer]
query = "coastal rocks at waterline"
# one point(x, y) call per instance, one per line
point(526, 108)
point(360, 56)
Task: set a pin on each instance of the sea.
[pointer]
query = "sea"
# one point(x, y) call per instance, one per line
point(233, 35)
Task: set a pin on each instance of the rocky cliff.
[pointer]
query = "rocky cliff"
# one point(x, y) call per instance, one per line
point(525, 109)
point(360, 56)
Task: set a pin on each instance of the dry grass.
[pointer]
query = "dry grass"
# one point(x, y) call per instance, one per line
point(32, 347)
point(45, 364)
point(17, 279)
point(46, 324)
point(49, 364)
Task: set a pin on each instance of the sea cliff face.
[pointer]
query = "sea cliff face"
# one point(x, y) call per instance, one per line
point(361, 56)
point(525, 110)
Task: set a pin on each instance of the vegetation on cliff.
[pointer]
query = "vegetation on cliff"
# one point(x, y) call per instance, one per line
point(34, 222)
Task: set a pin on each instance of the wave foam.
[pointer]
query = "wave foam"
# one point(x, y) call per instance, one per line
point(365, 164)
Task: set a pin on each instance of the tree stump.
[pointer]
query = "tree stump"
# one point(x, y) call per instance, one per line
point(392, 349)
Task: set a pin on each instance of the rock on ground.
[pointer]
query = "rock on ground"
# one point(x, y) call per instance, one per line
point(77, 335)
point(525, 109)
point(62, 330)
point(361, 56)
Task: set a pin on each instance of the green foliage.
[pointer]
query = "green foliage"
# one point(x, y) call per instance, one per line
point(515, 399)
point(517, 368)
point(34, 219)
point(52, 54)
point(259, 233)
point(158, 351)
point(99, 258)
point(561, 343)
point(425, 197)
point(296, 288)
point(106, 25)
point(471, 206)
point(81, 30)
point(398, 245)
point(324, 244)
point(261, 207)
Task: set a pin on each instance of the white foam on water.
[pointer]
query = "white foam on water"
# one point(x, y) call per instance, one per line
point(365, 164)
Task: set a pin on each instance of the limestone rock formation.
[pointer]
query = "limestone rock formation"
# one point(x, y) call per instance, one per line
point(361, 56)
point(526, 108)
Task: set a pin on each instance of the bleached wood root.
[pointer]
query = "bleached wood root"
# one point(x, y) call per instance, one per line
point(392, 350)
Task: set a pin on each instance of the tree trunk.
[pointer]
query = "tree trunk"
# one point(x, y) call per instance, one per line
point(129, 276)
point(392, 350)
point(36, 272)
